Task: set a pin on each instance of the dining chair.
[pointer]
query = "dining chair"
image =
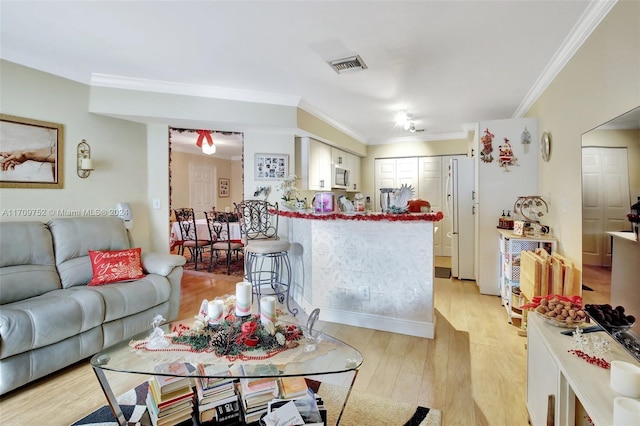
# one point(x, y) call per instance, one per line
point(220, 235)
point(189, 235)
point(267, 265)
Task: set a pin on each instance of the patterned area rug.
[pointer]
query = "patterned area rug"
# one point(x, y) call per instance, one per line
point(219, 267)
point(361, 410)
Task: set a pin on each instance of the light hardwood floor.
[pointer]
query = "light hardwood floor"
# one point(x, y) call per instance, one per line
point(474, 370)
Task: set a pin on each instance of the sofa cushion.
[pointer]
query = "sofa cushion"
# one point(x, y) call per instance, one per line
point(74, 237)
point(27, 265)
point(49, 318)
point(124, 299)
point(115, 265)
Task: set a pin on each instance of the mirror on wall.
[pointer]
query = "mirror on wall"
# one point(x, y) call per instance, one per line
point(610, 185)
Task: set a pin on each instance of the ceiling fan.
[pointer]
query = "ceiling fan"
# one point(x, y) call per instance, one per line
point(403, 119)
point(412, 128)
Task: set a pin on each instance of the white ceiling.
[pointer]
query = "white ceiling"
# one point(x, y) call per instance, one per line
point(447, 62)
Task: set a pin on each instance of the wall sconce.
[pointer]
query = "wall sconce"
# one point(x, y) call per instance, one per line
point(85, 165)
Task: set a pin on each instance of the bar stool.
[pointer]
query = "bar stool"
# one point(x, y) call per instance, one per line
point(267, 264)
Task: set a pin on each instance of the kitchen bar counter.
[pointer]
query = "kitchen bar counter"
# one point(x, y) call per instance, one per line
point(374, 271)
point(369, 217)
point(625, 269)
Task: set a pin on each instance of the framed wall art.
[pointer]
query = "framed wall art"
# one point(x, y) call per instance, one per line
point(271, 166)
point(223, 187)
point(30, 153)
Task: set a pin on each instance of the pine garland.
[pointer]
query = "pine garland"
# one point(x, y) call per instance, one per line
point(230, 336)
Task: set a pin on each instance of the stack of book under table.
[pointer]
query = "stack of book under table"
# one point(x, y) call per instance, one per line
point(216, 397)
point(170, 398)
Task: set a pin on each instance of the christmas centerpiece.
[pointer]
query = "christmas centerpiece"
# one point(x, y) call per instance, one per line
point(237, 337)
point(226, 330)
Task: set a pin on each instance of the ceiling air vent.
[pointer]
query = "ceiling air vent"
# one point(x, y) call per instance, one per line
point(352, 63)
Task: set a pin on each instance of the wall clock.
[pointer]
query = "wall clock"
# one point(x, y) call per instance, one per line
point(545, 146)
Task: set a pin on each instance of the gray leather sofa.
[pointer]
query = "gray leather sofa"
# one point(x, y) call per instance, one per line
point(50, 318)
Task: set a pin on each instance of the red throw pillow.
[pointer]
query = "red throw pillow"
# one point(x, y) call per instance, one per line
point(116, 265)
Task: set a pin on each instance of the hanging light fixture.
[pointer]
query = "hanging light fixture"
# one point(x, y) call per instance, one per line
point(207, 146)
point(402, 119)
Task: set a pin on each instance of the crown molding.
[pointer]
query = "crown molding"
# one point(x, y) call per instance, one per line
point(306, 106)
point(439, 137)
point(159, 86)
point(589, 20)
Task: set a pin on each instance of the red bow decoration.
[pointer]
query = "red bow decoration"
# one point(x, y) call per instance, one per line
point(204, 134)
point(247, 330)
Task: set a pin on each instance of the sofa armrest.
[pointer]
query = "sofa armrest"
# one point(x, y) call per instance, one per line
point(161, 264)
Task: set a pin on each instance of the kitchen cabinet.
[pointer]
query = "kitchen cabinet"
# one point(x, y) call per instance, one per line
point(353, 165)
point(542, 380)
point(511, 245)
point(349, 162)
point(313, 164)
point(579, 389)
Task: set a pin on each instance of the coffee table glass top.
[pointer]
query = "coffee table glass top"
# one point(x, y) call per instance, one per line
point(330, 356)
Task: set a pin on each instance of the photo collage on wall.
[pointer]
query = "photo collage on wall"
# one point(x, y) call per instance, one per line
point(271, 166)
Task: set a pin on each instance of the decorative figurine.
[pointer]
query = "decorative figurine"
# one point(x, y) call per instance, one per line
point(487, 149)
point(506, 155)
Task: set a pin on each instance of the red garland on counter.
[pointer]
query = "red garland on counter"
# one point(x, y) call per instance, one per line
point(600, 362)
point(402, 217)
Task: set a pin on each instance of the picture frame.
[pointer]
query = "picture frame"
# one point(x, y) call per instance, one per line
point(31, 153)
point(271, 166)
point(223, 187)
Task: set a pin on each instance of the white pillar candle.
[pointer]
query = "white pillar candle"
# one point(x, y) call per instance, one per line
point(625, 378)
point(86, 164)
point(626, 411)
point(243, 299)
point(267, 309)
point(215, 311)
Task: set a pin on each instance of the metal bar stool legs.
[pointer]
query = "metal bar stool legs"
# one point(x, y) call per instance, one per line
point(270, 275)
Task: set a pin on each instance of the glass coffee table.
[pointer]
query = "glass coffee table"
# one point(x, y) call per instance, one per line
point(337, 357)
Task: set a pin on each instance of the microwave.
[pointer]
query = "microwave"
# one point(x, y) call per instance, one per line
point(341, 178)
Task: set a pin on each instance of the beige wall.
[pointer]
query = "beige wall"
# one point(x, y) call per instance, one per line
point(180, 164)
point(600, 82)
point(329, 134)
point(118, 149)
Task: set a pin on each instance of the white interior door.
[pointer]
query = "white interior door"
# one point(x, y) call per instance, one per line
point(605, 201)
point(407, 172)
point(202, 188)
point(384, 177)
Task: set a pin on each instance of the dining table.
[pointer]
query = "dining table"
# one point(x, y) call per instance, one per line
point(202, 230)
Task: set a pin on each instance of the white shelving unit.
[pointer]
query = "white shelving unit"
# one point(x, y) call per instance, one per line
point(511, 245)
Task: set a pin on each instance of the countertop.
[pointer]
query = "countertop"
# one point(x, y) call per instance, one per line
point(403, 217)
point(624, 235)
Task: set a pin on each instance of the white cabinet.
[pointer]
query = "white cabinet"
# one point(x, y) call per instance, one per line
point(313, 164)
point(542, 380)
point(353, 165)
point(349, 162)
point(580, 389)
point(338, 158)
point(509, 276)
